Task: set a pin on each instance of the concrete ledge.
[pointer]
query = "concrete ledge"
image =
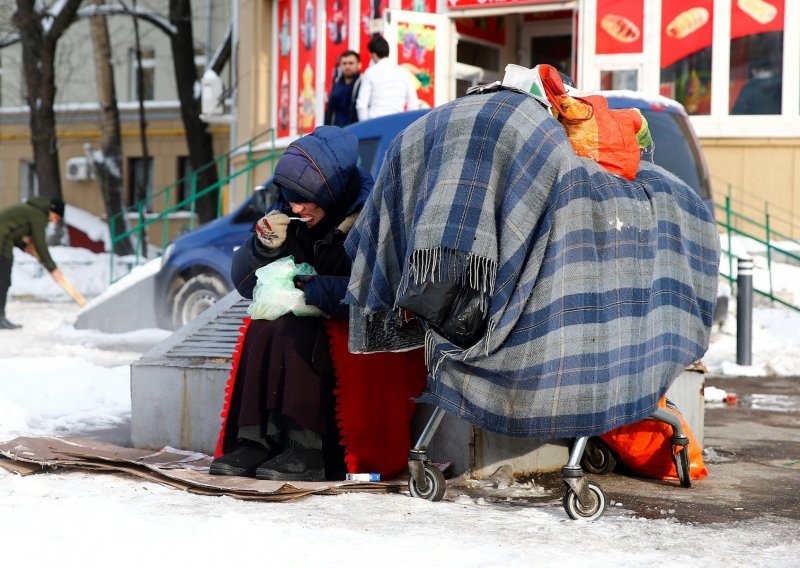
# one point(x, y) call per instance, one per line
point(129, 309)
point(177, 393)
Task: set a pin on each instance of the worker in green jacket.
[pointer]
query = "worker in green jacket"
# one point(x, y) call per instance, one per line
point(23, 225)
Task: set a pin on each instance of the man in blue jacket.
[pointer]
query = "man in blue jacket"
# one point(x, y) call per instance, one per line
point(281, 414)
point(341, 107)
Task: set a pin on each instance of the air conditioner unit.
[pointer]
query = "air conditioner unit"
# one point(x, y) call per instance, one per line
point(78, 169)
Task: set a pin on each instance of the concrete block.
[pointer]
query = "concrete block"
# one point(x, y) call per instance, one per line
point(131, 308)
point(481, 453)
point(687, 394)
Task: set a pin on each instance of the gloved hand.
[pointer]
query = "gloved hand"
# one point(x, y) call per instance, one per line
point(300, 280)
point(271, 229)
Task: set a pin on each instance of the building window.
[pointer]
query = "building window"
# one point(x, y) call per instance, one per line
point(756, 57)
point(28, 180)
point(137, 185)
point(148, 74)
point(627, 79)
point(200, 61)
point(184, 186)
point(686, 34)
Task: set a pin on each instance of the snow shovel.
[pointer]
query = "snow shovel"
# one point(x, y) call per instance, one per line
point(70, 289)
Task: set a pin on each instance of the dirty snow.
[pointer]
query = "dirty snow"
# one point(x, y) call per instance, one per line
point(55, 380)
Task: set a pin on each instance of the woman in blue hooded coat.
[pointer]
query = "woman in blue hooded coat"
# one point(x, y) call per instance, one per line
point(280, 423)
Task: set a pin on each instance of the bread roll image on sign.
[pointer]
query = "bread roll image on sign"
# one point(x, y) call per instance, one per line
point(687, 22)
point(761, 11)
point(620, 28)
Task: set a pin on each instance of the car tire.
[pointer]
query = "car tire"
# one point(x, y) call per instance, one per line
point(195, 296)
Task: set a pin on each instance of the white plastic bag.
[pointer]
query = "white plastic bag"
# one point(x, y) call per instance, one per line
point(275, 294)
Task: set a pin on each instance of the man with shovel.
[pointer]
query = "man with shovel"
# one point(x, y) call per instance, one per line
point(23, 225)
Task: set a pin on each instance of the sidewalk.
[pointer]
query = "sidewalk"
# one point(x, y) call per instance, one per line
point(752, 452)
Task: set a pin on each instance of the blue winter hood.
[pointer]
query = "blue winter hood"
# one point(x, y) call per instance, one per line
point(318, 167)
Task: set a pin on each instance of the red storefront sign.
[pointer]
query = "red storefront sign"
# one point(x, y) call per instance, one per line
point(620, 26)
point(749, 17)
point(307, 67)
point(416, 51)
point(419, 6)
point(284, 66)
point(337, 18)
point(458, 4)
point(370, 10)
point(686, 27)
point(489, 28)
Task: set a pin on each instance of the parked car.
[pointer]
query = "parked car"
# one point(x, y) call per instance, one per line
point(195, 270)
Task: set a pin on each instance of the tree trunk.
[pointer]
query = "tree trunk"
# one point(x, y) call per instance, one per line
point(38, 64)
point(141, 187)
point(198, 136)
point(109, 166)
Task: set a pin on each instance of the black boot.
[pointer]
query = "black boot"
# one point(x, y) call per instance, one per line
point(295, 463)
point(5, 324)
point(243, 461)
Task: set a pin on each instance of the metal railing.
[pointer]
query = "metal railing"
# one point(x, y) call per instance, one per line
point(188, 205)
point(761, 232)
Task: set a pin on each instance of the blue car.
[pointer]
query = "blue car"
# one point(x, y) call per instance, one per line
point(195, 270)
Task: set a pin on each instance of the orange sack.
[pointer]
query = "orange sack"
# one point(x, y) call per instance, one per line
point(610, 137)
point(645, 448)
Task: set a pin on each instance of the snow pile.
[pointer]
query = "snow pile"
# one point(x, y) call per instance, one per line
point(61, 395)
point(776, 336)
point(95, 228)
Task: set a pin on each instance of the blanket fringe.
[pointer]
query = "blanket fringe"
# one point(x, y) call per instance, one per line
point(439, 264)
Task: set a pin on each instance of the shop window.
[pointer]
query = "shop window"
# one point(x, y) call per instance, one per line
point(620, 79)
point(553, 50)
point(686, 34)
point(138, 183)
point(688, 81)
point(478, 54)
point(756, 57)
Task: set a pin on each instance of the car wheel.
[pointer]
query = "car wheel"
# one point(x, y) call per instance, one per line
point(195, 296)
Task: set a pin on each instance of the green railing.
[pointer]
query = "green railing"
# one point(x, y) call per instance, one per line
point(188, 205)
point(757, 230)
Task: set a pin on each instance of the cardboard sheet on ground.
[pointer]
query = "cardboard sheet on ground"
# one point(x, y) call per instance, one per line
point(174, 468)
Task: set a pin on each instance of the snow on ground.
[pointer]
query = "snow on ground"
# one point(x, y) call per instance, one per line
point(55, 380)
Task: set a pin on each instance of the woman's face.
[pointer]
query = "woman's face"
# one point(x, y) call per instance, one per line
point(308, 211)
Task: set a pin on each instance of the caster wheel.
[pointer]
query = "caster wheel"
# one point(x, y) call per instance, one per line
point(597, 458)
point(591, 512)
point(436, 484)
point(681, 459)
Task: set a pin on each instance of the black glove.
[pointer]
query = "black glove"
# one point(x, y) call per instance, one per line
point(300, 280)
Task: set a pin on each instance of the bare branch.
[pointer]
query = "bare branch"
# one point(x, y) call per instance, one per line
point(63, 18)
point(121, 10)
point(106, 10)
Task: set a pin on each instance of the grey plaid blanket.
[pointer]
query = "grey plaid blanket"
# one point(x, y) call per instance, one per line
point(597, 291)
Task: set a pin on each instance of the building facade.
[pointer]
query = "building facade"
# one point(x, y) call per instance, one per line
point(78, 113)
point(733, 64)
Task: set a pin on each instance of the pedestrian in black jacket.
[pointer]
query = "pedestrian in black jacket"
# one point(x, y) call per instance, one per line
point(341, 107)
point(281, 406)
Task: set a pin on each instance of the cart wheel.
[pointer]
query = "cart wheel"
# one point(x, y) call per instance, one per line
point(578, 512)
point(681, 459)
point(597, 458)
point(436, 484)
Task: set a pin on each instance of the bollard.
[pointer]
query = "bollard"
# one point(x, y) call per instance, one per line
point(744, 312)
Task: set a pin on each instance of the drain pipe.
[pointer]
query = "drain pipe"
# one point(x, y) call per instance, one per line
point(234, 94)
point(744, 312)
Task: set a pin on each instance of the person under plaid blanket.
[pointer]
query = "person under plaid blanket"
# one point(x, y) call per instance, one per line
point(559, 300)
